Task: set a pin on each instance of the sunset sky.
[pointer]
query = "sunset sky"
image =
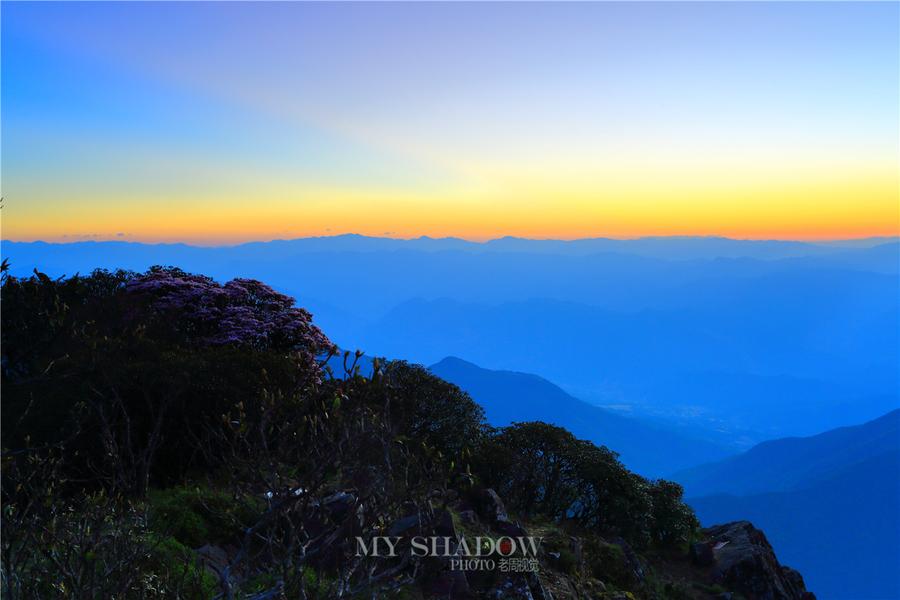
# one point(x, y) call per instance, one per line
point(218, 123)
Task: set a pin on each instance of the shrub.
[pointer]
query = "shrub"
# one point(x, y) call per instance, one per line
point(132, 371)
point(535, 467)
point(673, 521)
point(543, 470)
point(174, 571)
point(196, 516)
point(607, 563)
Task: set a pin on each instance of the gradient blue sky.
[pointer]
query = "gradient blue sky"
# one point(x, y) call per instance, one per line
point(223, 122)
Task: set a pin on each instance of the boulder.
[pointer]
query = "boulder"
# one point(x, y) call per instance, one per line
point(510, 529)
point(796, 578)
point(745, 563)
point(213, 558)
point(489, 506)
point(577, 548)
point(632, 561)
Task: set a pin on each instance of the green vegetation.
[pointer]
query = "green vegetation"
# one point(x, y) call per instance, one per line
point(148, 415)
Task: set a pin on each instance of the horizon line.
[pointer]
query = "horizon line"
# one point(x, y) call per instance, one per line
point(122, 240)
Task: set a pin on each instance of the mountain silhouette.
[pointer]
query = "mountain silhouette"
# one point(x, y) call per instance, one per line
point(795, 463)
point(739, 340)
point(830, 505)
point(508, 397)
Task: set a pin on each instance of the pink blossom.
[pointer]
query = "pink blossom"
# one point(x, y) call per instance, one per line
point(242, 312)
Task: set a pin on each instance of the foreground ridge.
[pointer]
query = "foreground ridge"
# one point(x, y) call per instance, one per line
point(169, 436)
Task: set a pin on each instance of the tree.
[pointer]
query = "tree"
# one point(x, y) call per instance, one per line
point(673, 521)
point(129, 365)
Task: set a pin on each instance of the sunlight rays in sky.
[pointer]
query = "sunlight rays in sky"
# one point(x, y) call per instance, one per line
point(225, 122)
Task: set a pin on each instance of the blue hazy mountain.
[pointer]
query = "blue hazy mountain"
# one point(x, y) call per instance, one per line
point(668, 248)
point(796, 368)
point(348, 273)
point(745, 340)
point(715, 344)
point(795, 463)
point(833, 511)
point(509, 396)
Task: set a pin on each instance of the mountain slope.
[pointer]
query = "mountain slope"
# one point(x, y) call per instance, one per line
point(670, 326)
point(340, 464)
point(509, 396)
point(843, 533)
point(772, 374)
point(795, 463)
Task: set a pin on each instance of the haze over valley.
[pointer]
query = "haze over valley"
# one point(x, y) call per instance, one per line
point(728, 341)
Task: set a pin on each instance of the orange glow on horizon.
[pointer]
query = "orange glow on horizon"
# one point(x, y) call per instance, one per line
point(794, 206)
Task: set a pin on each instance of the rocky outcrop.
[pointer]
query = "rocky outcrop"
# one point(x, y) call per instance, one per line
point(744, 562)
point(735, 558)
point(489, 505)
point(730, 561)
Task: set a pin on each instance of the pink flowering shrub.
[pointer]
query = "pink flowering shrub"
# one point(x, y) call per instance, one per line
point(242, 312)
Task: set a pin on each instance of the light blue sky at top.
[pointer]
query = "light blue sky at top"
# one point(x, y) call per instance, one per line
point(105, 97)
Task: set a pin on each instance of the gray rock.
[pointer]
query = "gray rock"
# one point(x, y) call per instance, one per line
point(490, 506)
point(632, 561)
point(746, 563)
point(214, 558)
point(577, 549)
point(510, 529)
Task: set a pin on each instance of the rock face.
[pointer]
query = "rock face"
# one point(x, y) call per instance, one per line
point(489, 505)
point(736, 558)
point(745, 562)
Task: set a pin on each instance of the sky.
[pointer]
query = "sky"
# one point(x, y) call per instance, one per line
point(218, 123)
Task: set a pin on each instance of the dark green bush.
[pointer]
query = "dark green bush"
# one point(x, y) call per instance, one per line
point(119, 388)
point(196, 516)
point(544, 471)
point(173, 570)
point(607, 563)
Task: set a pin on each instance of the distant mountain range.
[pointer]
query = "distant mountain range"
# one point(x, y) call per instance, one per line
point(830, 505)
point(742, 341)
point(723, 366)
point(508, 397)
point(795, 463)
point(665, 247)
point(674, 352)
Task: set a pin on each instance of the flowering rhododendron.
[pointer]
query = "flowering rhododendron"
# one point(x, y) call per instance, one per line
point(242, 312)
